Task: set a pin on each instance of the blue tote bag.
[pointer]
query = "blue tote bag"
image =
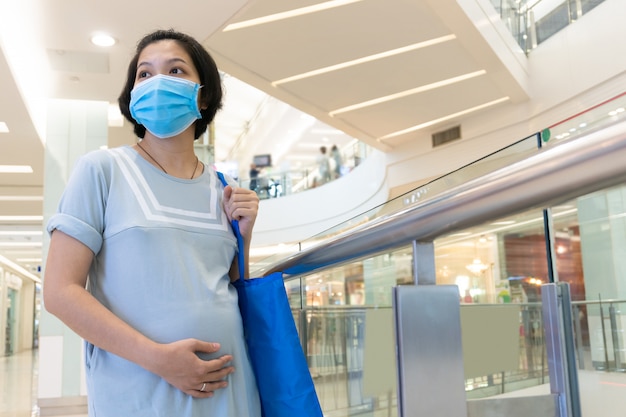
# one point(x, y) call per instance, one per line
point(282, 373)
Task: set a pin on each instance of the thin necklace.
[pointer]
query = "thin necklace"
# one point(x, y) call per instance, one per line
point(161, 166)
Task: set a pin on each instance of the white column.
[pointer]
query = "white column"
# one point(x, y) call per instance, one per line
point(603, 241)
point(73, 129)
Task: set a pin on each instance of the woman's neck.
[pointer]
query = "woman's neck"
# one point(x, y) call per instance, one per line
point(174, 156)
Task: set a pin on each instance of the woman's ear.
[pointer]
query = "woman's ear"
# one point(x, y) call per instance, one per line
point(202, 105)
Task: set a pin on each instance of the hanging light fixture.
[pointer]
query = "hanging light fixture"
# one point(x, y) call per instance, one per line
point(477, 267)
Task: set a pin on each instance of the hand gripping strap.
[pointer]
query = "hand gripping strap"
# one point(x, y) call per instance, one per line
point(235, 225)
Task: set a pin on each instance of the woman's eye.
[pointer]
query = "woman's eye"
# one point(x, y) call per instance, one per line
point(142, 74)
point(176, 71)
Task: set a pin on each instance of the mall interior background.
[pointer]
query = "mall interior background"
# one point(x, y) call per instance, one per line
point(504, 261)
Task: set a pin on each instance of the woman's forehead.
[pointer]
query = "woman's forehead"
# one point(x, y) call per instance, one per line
point(166, 48)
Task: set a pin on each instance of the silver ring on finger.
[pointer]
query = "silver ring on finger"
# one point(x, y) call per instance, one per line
point(203, 387)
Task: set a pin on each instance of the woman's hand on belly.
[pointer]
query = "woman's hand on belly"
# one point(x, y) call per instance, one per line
point(179, 364)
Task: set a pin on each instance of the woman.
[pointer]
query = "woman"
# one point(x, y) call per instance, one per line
point(141, 251)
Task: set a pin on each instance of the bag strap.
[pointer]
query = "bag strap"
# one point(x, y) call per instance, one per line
point(235, 225)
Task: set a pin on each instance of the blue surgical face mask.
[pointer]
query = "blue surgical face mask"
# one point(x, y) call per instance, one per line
point(165, 105)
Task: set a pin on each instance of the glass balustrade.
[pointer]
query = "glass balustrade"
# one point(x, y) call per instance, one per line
point(531, 22)
point(274, 183)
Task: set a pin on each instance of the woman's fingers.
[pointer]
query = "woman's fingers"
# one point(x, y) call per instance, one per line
point(240, 203)
point(180, 365)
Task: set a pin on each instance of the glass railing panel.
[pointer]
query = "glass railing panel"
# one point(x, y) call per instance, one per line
point(274, 182)
point(532, 22)
point(515, 21)
point(346, 328)
point(589, 247)
point(503, 261)
point(515, 152)
point(499, 267)
point(504, 157)
point(338, 302)
point(604, 114)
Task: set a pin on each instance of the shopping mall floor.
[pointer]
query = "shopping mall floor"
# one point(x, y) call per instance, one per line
point(603, 394)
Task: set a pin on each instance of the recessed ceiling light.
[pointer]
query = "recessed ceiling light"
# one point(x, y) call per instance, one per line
point(370, 58)
point(289, 14)
point(21, 218)
point(102, 39)
point(21, 198)
point(16, 169)
point(409, 92)
point(20, 244)
point(4, 128)
point(21, 233)
point(443, 119)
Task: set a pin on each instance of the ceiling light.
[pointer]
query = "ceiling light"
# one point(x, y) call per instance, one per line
point(4, 128)
point(477, 267)
point(21, 198)
point(369, 58)
point(21, 232)
point(288, 14)
point(321, 131)
point(443, 119)
point(102, 39)
point(406, 93)
point(16, 169)
point(20, 244)
point(21, 218)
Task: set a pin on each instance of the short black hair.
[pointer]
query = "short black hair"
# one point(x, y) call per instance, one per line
point(210, 93)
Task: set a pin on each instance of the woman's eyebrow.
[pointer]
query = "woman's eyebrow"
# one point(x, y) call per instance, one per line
point(169, 61)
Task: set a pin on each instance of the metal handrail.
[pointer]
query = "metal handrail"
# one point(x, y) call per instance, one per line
point(549, 177)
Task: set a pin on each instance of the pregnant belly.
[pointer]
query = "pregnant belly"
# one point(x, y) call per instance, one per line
point(208, 322)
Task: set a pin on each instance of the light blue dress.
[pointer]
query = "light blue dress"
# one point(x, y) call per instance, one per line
point(163, 248)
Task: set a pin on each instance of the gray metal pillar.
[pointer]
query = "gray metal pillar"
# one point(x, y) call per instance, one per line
point(424, 272)
point(557, 323)
point(431, 380)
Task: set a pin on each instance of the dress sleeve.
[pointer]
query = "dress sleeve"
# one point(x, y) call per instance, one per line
point(81, 211)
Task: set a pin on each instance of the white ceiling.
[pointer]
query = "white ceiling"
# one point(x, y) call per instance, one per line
point(413, 46)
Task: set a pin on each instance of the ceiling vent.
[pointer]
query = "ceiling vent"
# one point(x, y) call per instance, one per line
point(446, 136)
